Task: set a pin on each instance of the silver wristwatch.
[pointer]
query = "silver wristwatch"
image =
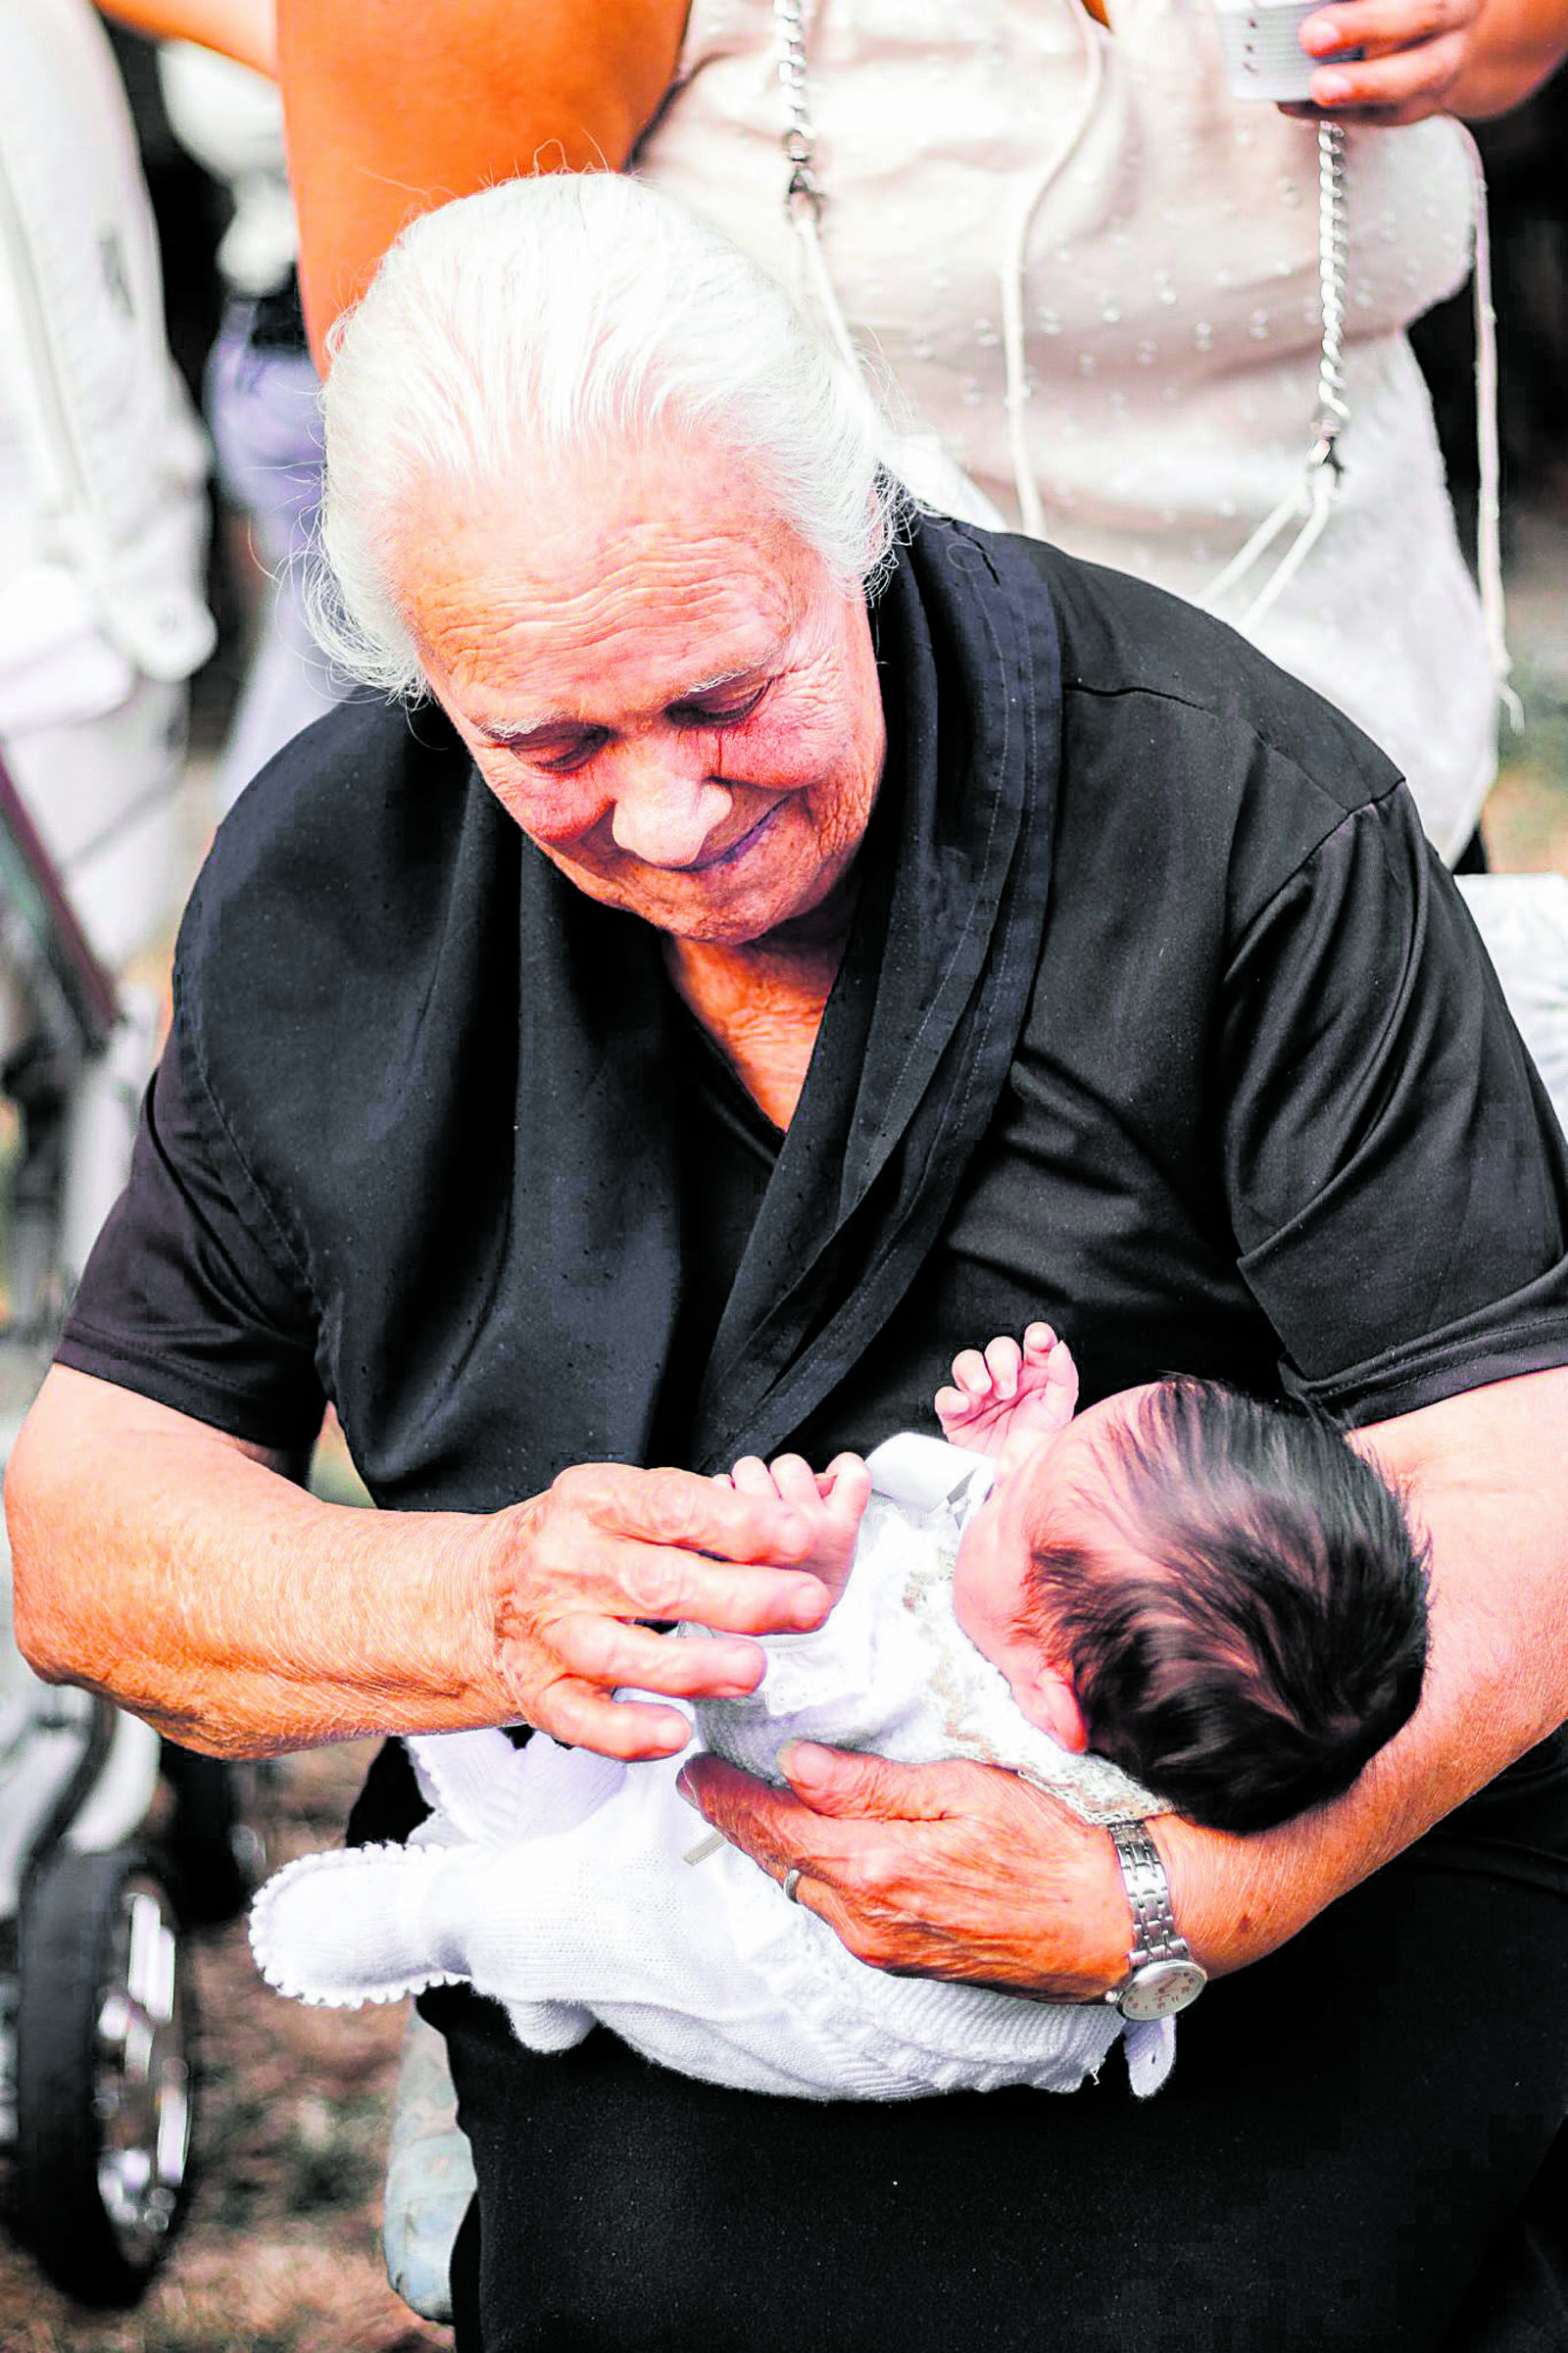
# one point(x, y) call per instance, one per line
point(1164, 1978)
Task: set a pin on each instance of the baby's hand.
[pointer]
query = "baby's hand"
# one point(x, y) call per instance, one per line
point(832, 1503)
point(1010, 1399)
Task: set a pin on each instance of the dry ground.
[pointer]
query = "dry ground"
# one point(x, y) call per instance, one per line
point(280, 2253)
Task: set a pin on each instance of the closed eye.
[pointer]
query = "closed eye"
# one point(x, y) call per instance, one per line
point(718, 710)
point(572, 756)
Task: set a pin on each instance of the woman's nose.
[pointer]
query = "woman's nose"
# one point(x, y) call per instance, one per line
point(663, 810)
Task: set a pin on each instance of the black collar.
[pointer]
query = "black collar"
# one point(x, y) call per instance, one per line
point(919, 1031)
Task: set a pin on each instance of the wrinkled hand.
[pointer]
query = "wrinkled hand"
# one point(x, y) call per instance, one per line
point(1416, 53)
point(570, 1574)
point(948, 1871)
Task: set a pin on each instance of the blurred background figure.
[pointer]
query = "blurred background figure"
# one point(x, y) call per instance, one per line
point(215, 93)
point(102, 546)
point(260, 394)
point(103, 511)
point(1094, 276)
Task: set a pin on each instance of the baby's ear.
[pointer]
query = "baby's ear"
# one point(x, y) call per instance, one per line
point(1046, 1698)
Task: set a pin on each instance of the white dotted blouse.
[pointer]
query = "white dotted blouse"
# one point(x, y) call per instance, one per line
point(1162, 240)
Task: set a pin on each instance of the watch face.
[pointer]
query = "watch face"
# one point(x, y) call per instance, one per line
point(1161, 1989)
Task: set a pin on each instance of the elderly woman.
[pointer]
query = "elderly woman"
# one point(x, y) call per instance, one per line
point(791, 945)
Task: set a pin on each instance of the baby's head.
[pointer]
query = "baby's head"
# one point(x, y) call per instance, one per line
point(1223, 1596)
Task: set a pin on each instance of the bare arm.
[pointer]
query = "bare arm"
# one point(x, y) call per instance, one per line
point(179, 1571)
point(392, 105)
point(955, 1871)
point(243, 29)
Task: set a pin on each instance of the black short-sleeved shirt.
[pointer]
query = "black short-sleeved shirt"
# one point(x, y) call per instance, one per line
point(1159, 1019)
point(435, 1140)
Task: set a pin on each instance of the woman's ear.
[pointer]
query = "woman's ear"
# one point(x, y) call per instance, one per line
point(1046, 1698)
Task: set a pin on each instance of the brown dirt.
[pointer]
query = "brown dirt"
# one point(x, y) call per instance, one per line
point(281, 2250)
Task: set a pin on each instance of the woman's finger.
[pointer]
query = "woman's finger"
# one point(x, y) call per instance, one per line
point(1402, 87)
point(659, 1583)
point(1384, 26)
point(852, 1785)
point(770, 1825)
point(613, 1655)
point(629, 1728)
point(671, 1507)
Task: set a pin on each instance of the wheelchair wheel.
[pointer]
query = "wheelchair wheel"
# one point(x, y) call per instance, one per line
point(105, 2084)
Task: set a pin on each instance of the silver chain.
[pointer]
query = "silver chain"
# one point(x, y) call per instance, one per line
point(1333, 272)
point(800, 140)
point(804, 190)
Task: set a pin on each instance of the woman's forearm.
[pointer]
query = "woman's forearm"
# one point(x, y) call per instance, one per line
point(243, 29)
point(181, 1573)
point(175, 1570)
point(399, 105)
point(1488, 1477)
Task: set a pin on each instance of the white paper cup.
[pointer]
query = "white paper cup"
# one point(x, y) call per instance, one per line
point(1262, 51)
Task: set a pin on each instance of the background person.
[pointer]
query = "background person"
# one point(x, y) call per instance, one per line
point(691, 1031)
point(1093, 276)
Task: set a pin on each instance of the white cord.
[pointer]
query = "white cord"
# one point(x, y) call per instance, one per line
point(1315, 496)
point(1489, 502)
point(1014, 268)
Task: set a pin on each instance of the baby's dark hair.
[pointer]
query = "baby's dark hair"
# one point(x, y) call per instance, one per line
point(1258, 1628)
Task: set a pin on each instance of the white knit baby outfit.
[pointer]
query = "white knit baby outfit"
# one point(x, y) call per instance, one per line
point(577, 1891)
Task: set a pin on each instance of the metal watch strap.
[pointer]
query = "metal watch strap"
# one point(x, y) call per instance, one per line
point(1155, 1936)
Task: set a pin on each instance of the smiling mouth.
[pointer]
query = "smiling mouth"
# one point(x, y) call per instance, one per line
point(713, 861)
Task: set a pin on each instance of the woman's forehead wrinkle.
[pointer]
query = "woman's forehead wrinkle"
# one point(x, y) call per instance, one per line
point(697, 607)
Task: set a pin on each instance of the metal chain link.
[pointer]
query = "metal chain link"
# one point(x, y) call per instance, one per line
point(800, 140)
point(803, 196)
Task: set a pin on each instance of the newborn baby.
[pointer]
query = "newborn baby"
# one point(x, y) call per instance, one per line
point(1180, 1592)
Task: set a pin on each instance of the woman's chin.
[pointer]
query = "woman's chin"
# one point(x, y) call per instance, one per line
point(758, 899)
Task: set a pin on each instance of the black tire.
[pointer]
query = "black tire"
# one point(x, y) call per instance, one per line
point(105, 2074)
point(214, 1856)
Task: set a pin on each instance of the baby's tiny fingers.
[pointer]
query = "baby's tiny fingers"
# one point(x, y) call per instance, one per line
point(751, 1477)
point(796, 1482)
point(1004, 1357)
point(971, 1373)
point(1039, 1341)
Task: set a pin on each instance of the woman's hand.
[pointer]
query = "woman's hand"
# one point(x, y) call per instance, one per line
point(572, 1575)
point(948, 1871)
point(1429, 57)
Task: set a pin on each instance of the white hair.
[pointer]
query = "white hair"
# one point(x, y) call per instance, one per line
point(564, 315)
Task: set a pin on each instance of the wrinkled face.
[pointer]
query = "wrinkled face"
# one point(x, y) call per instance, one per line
point(660, 683)
point(1066, 1488)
